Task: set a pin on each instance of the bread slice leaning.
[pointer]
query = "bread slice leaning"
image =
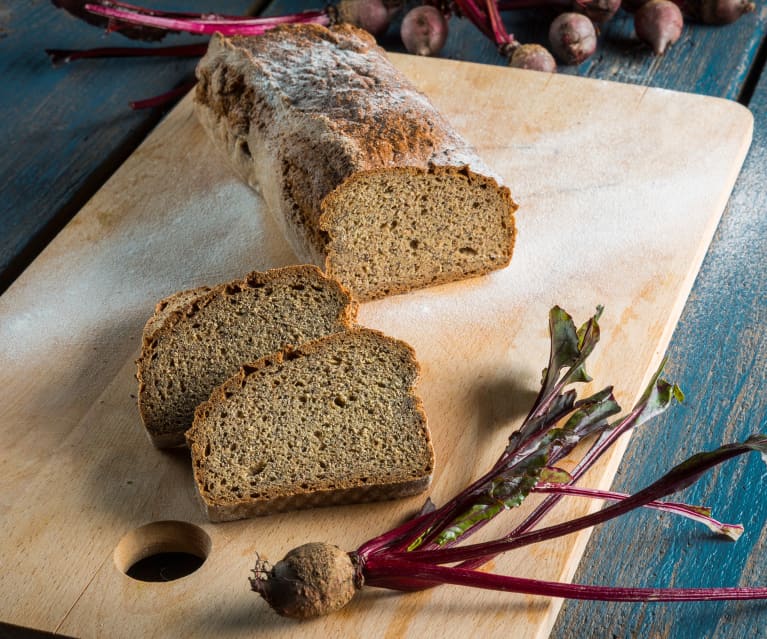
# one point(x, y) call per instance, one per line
point(197, 339)
point(366, 178)
point(335, 421)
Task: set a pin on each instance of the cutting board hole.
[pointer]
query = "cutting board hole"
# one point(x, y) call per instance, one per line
point(162, 551)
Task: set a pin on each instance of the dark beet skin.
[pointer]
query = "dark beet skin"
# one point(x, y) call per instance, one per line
point(572, 37)
point(659, 24)
point(533, 57)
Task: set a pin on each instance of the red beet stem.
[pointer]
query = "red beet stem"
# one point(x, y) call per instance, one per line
point(697, 513)
point(380, 570)
point(208, 25)
point(512, 5)
point(474, 14)
point(59, 56)
point(679, 477)
point(169, 14)
point(500, 35)
point(162, 99)
point(600, 447)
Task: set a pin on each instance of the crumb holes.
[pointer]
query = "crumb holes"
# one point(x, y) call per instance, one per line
point(467, 250)
point(162, 551)
point(297, 287)
point(245, 148)
point(414, 244)
point(339, 401)
point(257, 469)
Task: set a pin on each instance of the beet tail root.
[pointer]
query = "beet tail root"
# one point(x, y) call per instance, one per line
point(311, 581)
point(659, 24)
point(424, 30)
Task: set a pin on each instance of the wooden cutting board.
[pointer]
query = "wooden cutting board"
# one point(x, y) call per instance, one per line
point(620, 188)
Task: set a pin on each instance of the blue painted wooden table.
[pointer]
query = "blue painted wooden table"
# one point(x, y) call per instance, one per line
point(65, 130)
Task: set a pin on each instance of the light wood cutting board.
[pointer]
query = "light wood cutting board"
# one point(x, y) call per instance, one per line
point(620, 188)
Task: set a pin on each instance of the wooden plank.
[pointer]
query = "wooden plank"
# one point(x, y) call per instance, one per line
point(718, 355)
point(68, 127)
point(79, 473)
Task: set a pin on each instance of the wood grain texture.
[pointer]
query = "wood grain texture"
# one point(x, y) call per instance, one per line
point(66, 129)
point(80, 473)
point(718, 355)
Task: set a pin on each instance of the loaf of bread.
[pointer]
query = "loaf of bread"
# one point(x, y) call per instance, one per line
point(334, 421)
point(197, 339)
point(366, 178)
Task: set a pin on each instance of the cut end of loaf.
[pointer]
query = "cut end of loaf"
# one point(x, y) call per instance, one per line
point(364, 176)
point(336, 421)
point(395, 230)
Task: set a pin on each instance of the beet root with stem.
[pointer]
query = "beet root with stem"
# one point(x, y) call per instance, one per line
point(659, 24)
point(432, 548)
point(312, 580)
point(572, 37)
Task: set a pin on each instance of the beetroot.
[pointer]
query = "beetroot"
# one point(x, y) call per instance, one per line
point(572, 37)
point(659, 23)
point(598, 11)
point(717, 11)
point(534, 57)
point(312, 580)
point(372, 15)
point(424, 30)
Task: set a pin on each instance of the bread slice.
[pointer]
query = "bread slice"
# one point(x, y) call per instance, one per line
point(196, 339)
point(335, 421)
point(366, 178)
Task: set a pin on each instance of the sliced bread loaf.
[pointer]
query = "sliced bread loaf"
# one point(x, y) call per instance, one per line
point(335, 421)
point(196, 339)
point(365, 176)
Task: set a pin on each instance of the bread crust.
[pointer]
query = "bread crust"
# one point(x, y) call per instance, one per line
point(302, 111)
